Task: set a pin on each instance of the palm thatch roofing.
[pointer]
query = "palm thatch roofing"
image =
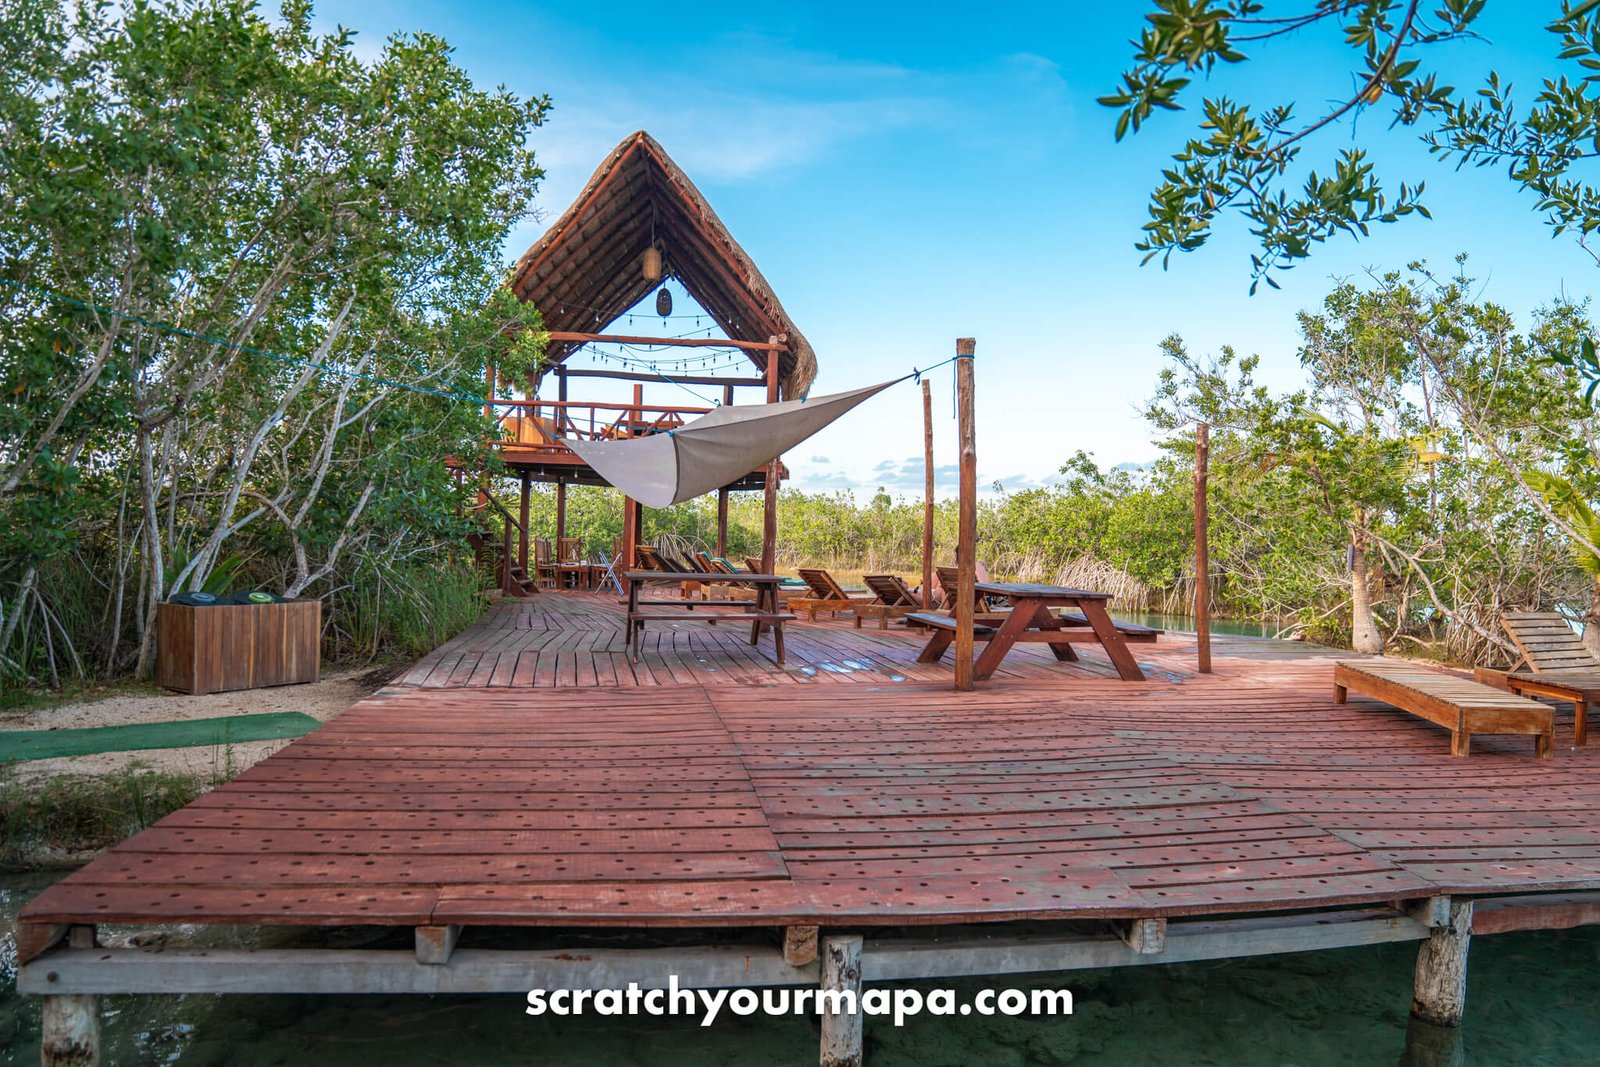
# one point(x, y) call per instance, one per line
point(585, 272)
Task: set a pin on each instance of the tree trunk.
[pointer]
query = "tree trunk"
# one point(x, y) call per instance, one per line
point(1364, 635)
point(1591, 621)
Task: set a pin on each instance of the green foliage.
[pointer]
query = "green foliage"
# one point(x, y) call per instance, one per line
point(80, 813)
point(251, 284)
point(1246, 157)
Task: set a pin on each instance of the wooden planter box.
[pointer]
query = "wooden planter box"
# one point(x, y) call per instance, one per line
point(238, 646)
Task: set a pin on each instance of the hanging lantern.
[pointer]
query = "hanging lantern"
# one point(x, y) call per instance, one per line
point(663, 302)
point(651, 264)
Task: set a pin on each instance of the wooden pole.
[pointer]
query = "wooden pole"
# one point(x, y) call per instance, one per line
point(927, 496)
point(1202, 563)
point(769, 512)
point(630, 509)
point(70, 1035)
point(1439, 996)
point(561, 510)
point(522, 534)
point(722, 494)
point(967, 536)
point(841, 975)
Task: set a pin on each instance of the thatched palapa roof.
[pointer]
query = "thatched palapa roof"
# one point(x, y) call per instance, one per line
point(585, 272)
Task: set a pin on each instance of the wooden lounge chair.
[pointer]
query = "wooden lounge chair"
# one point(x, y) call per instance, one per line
point(1463, 707)
point(894, 600)
point(824, 593)
point(1554, 664)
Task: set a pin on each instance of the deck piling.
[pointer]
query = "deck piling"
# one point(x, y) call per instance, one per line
point(1440, 993)
point(841, 1031)
point(71, 1026)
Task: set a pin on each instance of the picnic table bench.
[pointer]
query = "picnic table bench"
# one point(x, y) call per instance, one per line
point(761, 610)
point(1461, 706)
point(1031, 619)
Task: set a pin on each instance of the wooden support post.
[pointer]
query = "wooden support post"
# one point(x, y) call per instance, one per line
point(841, 973)
point(967, 536)
point(1202, 564)
point(1439, 996)
point(1432, 1046)
point(71, 1030)
point(927, 496)
point(769, 511)
point(722, 494)
point(1145, 936)
point(561, 510)
point(799, 945)
point(522, 534)
point(506, 559)
point(436, 943)
point(631, 533)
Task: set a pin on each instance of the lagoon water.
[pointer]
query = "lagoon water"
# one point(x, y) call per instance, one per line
point(1533, 999)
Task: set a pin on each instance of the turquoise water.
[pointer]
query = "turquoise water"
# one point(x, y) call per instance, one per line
point(1532, 1000)
point(1185, 624)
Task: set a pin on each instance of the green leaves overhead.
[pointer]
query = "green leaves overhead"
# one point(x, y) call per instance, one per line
point(1246, 156)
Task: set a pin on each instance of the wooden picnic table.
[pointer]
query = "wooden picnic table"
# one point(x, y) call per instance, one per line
point(761, 610)
point(1031, 619)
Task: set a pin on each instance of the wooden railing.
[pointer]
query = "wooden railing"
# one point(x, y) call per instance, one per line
point(537, 424)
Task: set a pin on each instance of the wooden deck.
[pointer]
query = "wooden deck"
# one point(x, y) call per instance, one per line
point(579, 639)
point(710, 788)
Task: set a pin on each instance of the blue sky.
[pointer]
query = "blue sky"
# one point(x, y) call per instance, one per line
point(905, 174)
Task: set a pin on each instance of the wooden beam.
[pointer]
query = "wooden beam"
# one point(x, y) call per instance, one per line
point(572, 337)
point(800, 945)
point(561, 509)
point(1144, 936)
point(927, 496)
point(436, 943)
point(967, 535)
point(1544, 911)
point(339, 971)
point(1202, 565)
point(634, 376)
point(841, 1030)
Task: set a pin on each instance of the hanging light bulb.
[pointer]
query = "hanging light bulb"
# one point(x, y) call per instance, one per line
point(651, 264)
point(664, 302)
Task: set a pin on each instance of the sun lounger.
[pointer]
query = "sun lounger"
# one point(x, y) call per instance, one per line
point(1554, 664)
point(1463, 707)
point(824, 593)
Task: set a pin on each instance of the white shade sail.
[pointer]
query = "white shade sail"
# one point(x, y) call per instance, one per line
point(714, 450)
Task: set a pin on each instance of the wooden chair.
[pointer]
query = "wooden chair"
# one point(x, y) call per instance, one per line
point(544, 570)
point(825, 594)
point(1554, 664)
point(569, 550)
point(895, 600)
point(983, 610)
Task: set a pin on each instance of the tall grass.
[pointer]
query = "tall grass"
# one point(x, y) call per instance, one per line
point(402, 612)
point(76, 813)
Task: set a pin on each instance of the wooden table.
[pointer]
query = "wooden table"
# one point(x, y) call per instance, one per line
point(1031, 619)
point(761, 611)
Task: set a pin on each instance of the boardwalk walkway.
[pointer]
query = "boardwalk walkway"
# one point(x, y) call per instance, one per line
point(522, 774)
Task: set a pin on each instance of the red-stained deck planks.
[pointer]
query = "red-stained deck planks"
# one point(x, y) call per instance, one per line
point(528, 774)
